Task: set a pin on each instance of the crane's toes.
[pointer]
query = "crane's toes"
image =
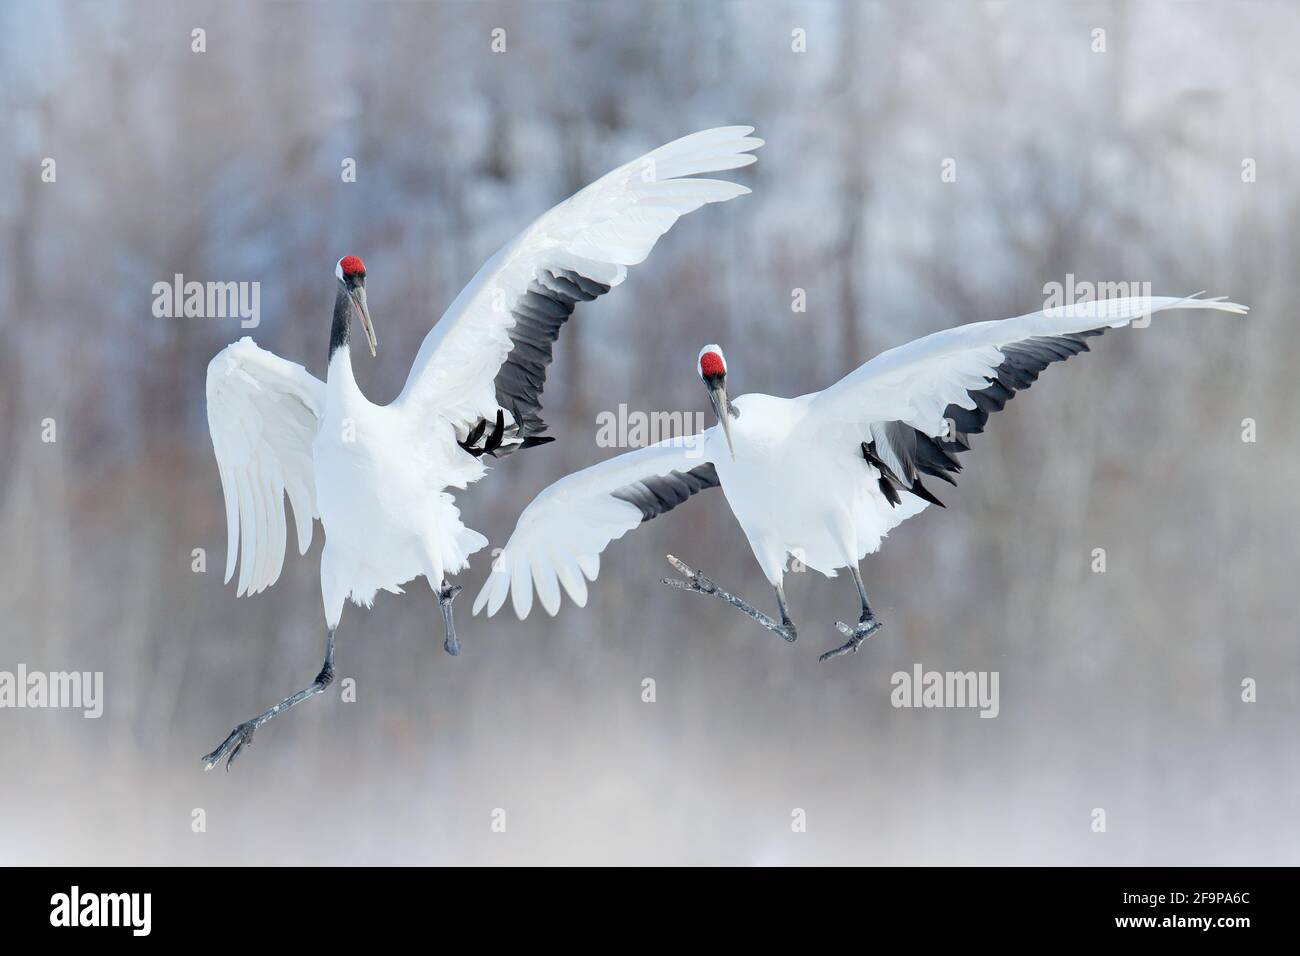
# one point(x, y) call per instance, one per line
point(787, 632)
point(695, 580)
point(856, 635)
point(698, 584)
point(451, 645)
point(240, 737)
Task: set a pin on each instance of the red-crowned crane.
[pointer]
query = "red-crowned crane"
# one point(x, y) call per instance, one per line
point(823, 477)
point(376, 475)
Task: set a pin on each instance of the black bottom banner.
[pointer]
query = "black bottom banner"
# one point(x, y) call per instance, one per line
point(293, 905)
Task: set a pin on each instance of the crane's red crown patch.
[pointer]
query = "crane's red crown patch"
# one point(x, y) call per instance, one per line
point(711, 364)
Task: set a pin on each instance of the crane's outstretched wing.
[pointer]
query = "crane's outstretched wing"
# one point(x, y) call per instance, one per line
point(492, 346)
point(263, 413)
point(563, 531)
point(912, 408)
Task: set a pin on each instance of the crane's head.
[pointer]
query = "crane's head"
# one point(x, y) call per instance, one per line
point(351, 272)
point(712, 366)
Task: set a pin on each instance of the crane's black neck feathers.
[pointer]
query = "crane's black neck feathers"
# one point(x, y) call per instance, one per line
point(341, 330)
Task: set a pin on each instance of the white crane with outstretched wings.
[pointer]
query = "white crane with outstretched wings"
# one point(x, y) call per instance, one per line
point(822, 477)
point(377, 475)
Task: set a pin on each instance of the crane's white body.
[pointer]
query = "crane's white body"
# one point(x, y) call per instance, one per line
point(376, 475)
point(380, 474)
point(799, 485)
point(798, 490)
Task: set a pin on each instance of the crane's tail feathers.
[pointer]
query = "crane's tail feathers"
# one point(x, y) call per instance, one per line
point(458, 549)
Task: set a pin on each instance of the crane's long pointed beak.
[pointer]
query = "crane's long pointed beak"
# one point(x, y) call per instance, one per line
point(359, 300)
point(718, 396)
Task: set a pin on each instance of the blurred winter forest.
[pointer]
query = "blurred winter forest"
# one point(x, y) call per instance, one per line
point(1163, 150)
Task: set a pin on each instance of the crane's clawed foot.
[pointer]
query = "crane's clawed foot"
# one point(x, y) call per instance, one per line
point(695, 581)
point(699, 584)
point(240, 737)
point(856, 635)
point(446, 594)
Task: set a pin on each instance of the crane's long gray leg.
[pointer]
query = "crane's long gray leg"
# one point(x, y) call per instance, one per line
point(242, 735)
point(446, 594)
point(699, 584)
point(862, 595)
point(866, 626)
point(785, 610)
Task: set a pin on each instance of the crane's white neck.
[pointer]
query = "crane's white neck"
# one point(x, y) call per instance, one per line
point(339, 379)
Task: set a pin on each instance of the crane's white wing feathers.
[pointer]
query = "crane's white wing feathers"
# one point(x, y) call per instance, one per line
point(917, 382)
point(560, 535)
point(263, 413)
point(492, 345)
point(909, 410)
